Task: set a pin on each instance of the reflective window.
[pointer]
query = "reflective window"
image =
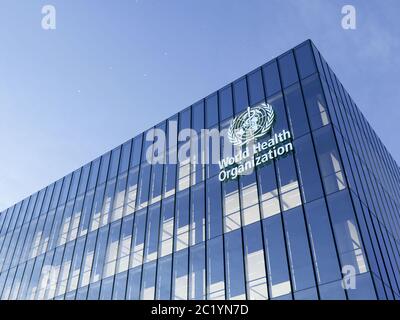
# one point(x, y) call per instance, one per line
point(167, 227)
point(197, 272)
point(256, 89)
point(106, 289)
point(234, 266)
point(138, 239)
point(249, 198)
point(322, 243)
point(110, 261)
point(114, 162)
point(119, 197)
point(180, 276)
point(329, 160)
point(125, 244)
point(76, 265)
point(97, 207)
point(287, 68)
point(296, 110)
point(133, 285)
point(105, 161)
point(65, 268)
point(305, 60)
point(211, 104)
point(182, 221)
point(276, 258)
point(164, 278)
point(197, 218)
point(269, 197)
point(148, 281)
point(94, 171)
point(120, 286)
point(271, 78)
point(125, 155)
point(153, 222)
point(346, 231)
point(225, 103)
point(315, 102)
point(99, 255)
point(256, 281)
point(307, 168)
point(214, 209)
point(288, 184)
point(131, 191)
point(136, 151)
point(231, 206)
point(240, 95)
point(87, 261)
point(299, 254)
point(85, 220)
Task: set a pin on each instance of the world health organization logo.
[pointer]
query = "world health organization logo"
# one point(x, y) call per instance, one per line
point(253, 123)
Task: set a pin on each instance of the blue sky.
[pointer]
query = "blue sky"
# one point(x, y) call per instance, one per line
point(111, 69)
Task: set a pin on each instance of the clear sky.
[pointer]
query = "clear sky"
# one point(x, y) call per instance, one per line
point(111, 69)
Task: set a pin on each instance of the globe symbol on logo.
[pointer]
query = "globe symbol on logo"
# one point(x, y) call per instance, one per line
point(253, 123)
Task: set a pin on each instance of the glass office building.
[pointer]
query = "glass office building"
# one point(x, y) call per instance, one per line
point(120, 227)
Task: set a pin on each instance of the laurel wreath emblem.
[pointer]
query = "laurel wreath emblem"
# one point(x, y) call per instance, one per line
point(251, 124)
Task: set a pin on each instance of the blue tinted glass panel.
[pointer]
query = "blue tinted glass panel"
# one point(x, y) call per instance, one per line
point(240, 95)
point(296, 111)
point(133, 286)
point(211, 110)
point(256, 89)
point(94, 171)
point(164, 278)
point(287, 67)
point(271, 78)
point(125, 155)
point(235, 282)
point(305, 60)
point(225, 103)
point(197, 271)
point(214, 208)
point(120, 286)
point(136, 150)
point(180, 275)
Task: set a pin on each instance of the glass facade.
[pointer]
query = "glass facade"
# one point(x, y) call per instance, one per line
point(120, 227)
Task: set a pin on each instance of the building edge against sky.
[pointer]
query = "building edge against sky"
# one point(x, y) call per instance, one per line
point(120, 228)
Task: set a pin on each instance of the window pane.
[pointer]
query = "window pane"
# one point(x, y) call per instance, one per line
point(346, 231)
point(112, 249)
point(164, 278)
point(167, 227)
point(234, 266)
point(278, 274)
point(105, 160)
point(315, 102)
point(329, 160)
point(182, 221)
point(136, 151)
point(125, 245)
point(197, 220)
point(232, 220)
point(271, 78)
point(133, 287)
point(106, 288)
point(255, 264)
point(240, 95)
point(305, 60)
point(269, 197)
point(120, 286)
point(225, 103)
point(148, 281)
point(296, 110)
point(88, 259)
point(211, 110)
point(307, 168)
point(299, 254)
point(256, 90)
point(125, 154)
point(287, 67)
point(180, 276)
point(215, 269)
point(153, 222)
point(322, 243)
point(249, 199)
point(214, 209)
point(138, 239)
point(98, 262)
point(197, 272)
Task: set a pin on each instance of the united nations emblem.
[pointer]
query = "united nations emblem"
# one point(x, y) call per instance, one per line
point(253, 123)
